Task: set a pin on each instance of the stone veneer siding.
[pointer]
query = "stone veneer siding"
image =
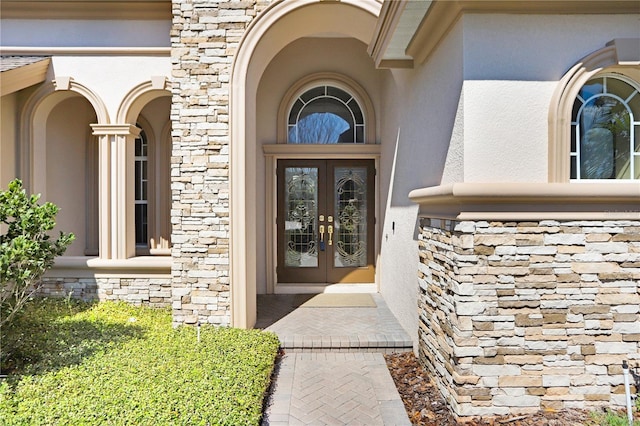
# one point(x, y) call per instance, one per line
point(521, 316)
point(204, 38)
point(154, 292)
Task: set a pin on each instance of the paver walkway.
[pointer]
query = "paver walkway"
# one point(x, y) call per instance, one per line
point(333, 371)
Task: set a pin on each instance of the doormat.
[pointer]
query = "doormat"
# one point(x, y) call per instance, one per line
point(340, 300)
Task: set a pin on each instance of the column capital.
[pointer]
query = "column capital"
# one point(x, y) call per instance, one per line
point(115, 129)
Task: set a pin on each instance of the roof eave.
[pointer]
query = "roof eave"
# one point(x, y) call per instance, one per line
point(24, 76)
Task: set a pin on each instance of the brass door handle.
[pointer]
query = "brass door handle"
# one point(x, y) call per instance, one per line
point(330, 231)
point(321, 229)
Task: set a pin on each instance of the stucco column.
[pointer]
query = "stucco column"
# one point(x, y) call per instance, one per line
point(116, 189)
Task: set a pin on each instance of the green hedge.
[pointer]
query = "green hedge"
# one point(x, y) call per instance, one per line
point(115, 364)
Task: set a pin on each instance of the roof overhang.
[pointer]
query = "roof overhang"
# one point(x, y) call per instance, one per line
point(18, 73)
point(408, 31)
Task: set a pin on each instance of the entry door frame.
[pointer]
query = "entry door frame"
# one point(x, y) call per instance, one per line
point(275, 152)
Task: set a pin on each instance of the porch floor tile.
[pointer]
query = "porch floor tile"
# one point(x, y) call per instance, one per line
point(348, 329)
point(333, 371)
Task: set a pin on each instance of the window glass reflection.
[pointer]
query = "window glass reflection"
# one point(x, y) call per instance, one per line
point(319, 127)
point(604, 131)
point(325, 115)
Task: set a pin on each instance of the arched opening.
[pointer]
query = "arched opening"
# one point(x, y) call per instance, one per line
point(59, 160)
point(72, 172)
point(58, 157)
point(152, 154)
point(147, 107)
point(277, 27)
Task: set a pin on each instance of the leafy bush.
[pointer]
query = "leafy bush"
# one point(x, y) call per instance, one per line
point(112, 363)
point(26, 248)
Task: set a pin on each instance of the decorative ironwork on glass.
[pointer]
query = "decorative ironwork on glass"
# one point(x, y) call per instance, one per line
point(301, 201)
point(351, 213)
point(604, 130)
point(325, 115)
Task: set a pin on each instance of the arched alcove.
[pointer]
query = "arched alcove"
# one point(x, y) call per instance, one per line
point(33, 131)
point(276, 27)
point(153, 119)
point(59, 159)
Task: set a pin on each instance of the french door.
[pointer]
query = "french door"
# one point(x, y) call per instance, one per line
point(325, 221)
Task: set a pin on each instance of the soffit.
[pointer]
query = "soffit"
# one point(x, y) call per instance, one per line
point(86, 9)
point(409, 30)
point(20, 72)
point(396, 26)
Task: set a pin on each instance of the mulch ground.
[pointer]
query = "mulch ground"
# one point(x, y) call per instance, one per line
point(425, 406)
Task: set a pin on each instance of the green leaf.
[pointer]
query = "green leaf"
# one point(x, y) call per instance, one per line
point(27, 250)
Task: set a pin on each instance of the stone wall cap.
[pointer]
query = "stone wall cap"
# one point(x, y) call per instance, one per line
point(530, 201)
point(527, 192)
point(137, 263)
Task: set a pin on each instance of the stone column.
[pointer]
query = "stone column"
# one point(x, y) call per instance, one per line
point(204, 40)
point(116, 189)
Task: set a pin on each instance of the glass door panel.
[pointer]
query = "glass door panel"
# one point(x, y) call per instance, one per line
point(350, 207)
point(300, 215)
point(301, 199)
point(351, 195)
point(325, 221)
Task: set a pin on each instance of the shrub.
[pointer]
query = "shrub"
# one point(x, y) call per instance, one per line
point(26, 248)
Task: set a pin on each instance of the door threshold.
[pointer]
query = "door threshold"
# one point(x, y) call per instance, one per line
point(301, 288)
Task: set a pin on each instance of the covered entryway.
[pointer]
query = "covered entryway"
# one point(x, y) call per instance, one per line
point(325, 221)
point(321, 183)
point(290, 49)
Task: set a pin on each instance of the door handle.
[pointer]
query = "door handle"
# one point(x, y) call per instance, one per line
point(321, 229)
point(330, 231)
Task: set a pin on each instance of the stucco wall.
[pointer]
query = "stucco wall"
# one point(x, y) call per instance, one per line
point(111, 78)
point(476, 111)
point(156, 113)
point(67, 140)
point(511, 67)
point(90, 33)
point(421, 133)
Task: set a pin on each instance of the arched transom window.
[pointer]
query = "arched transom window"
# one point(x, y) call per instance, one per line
point(325, 115)
point(605, 135)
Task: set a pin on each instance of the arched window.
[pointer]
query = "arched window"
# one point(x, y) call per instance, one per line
point(325, 114)
point(605, 136)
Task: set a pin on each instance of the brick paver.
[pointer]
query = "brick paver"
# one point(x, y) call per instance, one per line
point(318, 383)
point(335, 389)
point(349, 329)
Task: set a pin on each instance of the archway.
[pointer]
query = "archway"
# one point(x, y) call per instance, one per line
point(277, 26)
point(58, 158)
